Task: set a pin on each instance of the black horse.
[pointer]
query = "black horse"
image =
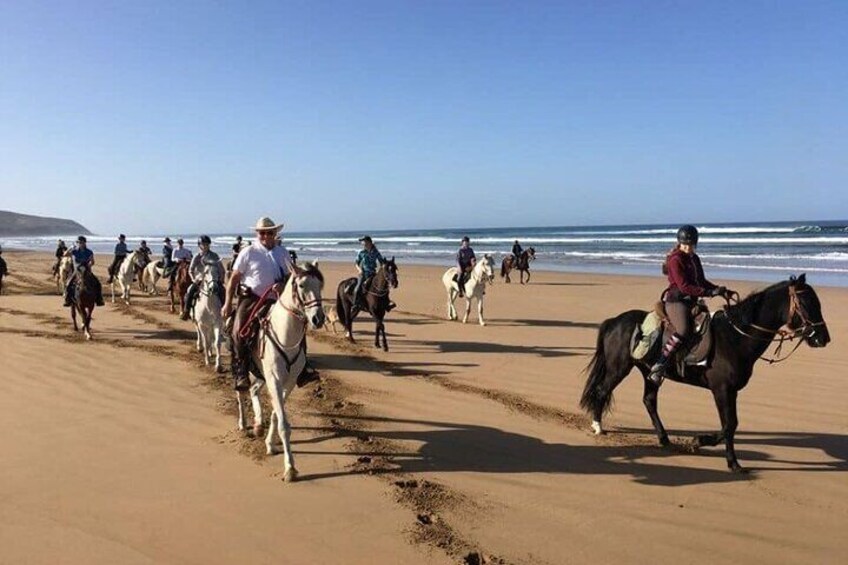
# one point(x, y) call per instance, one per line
point(376, 301)
point(741, 334)
point(522, 264)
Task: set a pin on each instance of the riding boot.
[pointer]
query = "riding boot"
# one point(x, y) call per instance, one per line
point(658, 369)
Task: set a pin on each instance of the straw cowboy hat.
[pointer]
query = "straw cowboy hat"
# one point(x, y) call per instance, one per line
point(266, 224)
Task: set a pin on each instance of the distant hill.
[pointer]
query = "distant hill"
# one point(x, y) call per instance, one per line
point(13, 224)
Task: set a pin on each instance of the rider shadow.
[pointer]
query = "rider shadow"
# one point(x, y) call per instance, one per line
point(566, 284)
point(334, 362)
point(172, 334)
point(491, 347)
point(544, 324)
point(481, 449)
point(834, 446)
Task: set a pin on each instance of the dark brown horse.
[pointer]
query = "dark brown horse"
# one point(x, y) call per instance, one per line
point(523, 264)
point(741, 335)
point(182, 280)
point(83, 299)
point(376, 299)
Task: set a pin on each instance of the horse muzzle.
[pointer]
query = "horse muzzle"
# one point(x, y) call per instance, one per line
point(818, 337)
point(317, 320)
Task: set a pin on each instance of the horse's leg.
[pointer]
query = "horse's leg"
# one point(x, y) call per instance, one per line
point(377, 324)
point(480, 311)
point(649, 399)
point(467, 307)
point(451, 308)
point(112, 288)
point(725, 400)
point(348, 308)
point(270, 448)
point(74, 316)
point(86, 321)
point(284, 428)
point(216, 336)
point(257, 410)
point(242, 418)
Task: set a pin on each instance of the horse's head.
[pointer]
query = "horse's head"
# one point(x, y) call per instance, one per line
point(487, 268)
point(391, 272)
point(805, 315)
point(307, 283)
point(531, 254)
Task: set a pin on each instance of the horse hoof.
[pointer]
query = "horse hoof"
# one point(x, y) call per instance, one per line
point(258, 429)
point(596, 428)
point(737, 469)
point(290, 476)
point(219, 368)
point(664, 441)
point(270, 450)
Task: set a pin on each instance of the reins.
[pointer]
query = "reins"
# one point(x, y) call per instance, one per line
point(786, 331)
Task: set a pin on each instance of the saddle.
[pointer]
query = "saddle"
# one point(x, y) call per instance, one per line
point(656, 329)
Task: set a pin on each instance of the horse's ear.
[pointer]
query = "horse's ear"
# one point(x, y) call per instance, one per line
point(393, 258)
point(791, 280)
point(314, 264)
point(802, 279)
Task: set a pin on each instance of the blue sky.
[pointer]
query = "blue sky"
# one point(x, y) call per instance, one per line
point(201, 116)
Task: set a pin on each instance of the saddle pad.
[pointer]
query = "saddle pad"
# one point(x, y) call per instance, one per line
point(646, 335)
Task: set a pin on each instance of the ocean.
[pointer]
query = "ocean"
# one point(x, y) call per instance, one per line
point(765, 252)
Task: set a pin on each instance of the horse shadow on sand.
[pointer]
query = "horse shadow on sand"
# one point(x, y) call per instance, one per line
point(449, 447)
point(340, 362)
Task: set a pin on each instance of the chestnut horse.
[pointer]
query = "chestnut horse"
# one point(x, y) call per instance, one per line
point(182, 280)
point(523, 265)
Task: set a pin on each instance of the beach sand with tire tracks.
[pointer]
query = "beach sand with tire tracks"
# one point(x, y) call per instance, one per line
point(461, 443)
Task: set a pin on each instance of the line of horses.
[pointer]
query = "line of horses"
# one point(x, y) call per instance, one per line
point(741, 334)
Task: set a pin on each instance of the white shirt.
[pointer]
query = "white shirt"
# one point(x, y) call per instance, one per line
point(180, 254)
point(260, 268)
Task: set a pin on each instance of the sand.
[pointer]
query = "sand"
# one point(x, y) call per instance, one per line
point(461, 443)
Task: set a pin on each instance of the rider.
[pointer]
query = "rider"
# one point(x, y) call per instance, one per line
point(516, 252)
point(120, 255)
point(257, 269)
point(366, 265)
point(83, 256)
point(179, 255)
point(198, 262)
point(465, 261)
point(167, 257)
point(687, 283)
point(61, 249)
point(237, 247)
point(145, 250)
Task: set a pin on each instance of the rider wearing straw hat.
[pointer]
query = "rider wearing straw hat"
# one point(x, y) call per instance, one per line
point(259, 267)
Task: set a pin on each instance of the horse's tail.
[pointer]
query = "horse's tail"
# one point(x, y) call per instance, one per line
point(340, 309)
point(503, 267)
point(597, 394)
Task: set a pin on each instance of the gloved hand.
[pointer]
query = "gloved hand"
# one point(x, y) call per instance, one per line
point(720, 291)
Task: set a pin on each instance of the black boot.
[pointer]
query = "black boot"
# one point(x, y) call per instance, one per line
point(191, 294)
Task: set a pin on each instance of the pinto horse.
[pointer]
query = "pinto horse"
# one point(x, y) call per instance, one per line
point(124, 276)
point(523, 265)
point(741, 334)
point(280, 352)
point(376, 298)
point(83, 300)
point(177, 291)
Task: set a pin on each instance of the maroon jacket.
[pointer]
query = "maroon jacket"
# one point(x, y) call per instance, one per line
point(686, 277)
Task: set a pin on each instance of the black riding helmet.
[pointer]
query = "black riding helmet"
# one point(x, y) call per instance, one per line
point(204, 239)
point(687, 235)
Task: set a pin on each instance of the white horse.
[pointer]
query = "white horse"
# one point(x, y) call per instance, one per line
point(125, 274)
point(150, 276)
point(475, 287)
point(207, 316)
point(281, 353)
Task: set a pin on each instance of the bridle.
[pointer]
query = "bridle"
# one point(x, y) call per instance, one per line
point(298, 312)
point(788, 331)
point(390, 279)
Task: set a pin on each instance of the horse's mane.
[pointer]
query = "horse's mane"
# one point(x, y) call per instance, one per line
point(748, 306)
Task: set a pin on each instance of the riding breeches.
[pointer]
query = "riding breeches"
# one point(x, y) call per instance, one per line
point(679, 314)
point(116, 264)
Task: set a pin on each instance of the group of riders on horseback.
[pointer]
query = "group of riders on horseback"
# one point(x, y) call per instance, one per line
point(260, 269)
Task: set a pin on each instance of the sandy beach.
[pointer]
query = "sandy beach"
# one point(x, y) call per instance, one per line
point(462, 444)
